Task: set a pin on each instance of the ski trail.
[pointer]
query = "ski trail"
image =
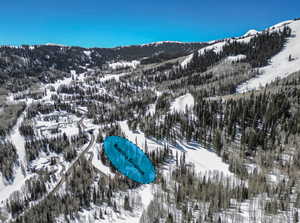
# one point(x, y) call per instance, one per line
point(19, 179)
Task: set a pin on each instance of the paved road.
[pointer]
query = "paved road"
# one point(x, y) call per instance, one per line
point(68, 172)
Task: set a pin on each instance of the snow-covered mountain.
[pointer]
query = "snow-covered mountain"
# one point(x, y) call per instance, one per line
point(281, 65)
point(222, 152)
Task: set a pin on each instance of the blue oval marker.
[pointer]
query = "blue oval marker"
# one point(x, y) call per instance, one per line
point(129, 159)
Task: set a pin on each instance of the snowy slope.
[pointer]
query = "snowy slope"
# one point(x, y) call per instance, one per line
point(138, 138)
point(182, 102)
point(97, 163)
point(280, 65)
point(123, 64)
point(281, 24)
point(143, 195)
point(19, 180)
point(144, 192)
point(251, 32)
point(112, 76)
point(217, 46)
point(186, 61)
point(203, 160)
point(235, 58)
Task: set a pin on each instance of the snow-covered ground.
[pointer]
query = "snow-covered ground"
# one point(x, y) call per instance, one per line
point(143, 196)
point(202, 159)
point(235, 58)
point(21, 174)
point(280, 66)
point(186, 61)
point(97, 163)
point(144, 192)
point(63, 121)
point(124, 64)
point(87, 53)
point(251, 32)
point(281, 24)
point(217, 47)
point(139, 138)
point(161, 42)
point(182, 102)
point(112, 76)
point(7, 189)
point(151, 109)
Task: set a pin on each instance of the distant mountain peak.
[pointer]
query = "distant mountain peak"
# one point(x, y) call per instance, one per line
point(161, 42)
point(55, 44)
point(251, 32)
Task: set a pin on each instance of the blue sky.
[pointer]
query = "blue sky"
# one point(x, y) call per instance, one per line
point(112, 23)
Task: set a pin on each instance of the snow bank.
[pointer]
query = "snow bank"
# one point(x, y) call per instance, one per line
point(182, 102)
point(280, 65)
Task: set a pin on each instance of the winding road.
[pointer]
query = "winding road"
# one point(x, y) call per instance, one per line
point(69, 169)
point(75, 162)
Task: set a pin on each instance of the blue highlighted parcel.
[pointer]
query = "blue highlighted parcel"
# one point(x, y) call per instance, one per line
point(129, 159)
